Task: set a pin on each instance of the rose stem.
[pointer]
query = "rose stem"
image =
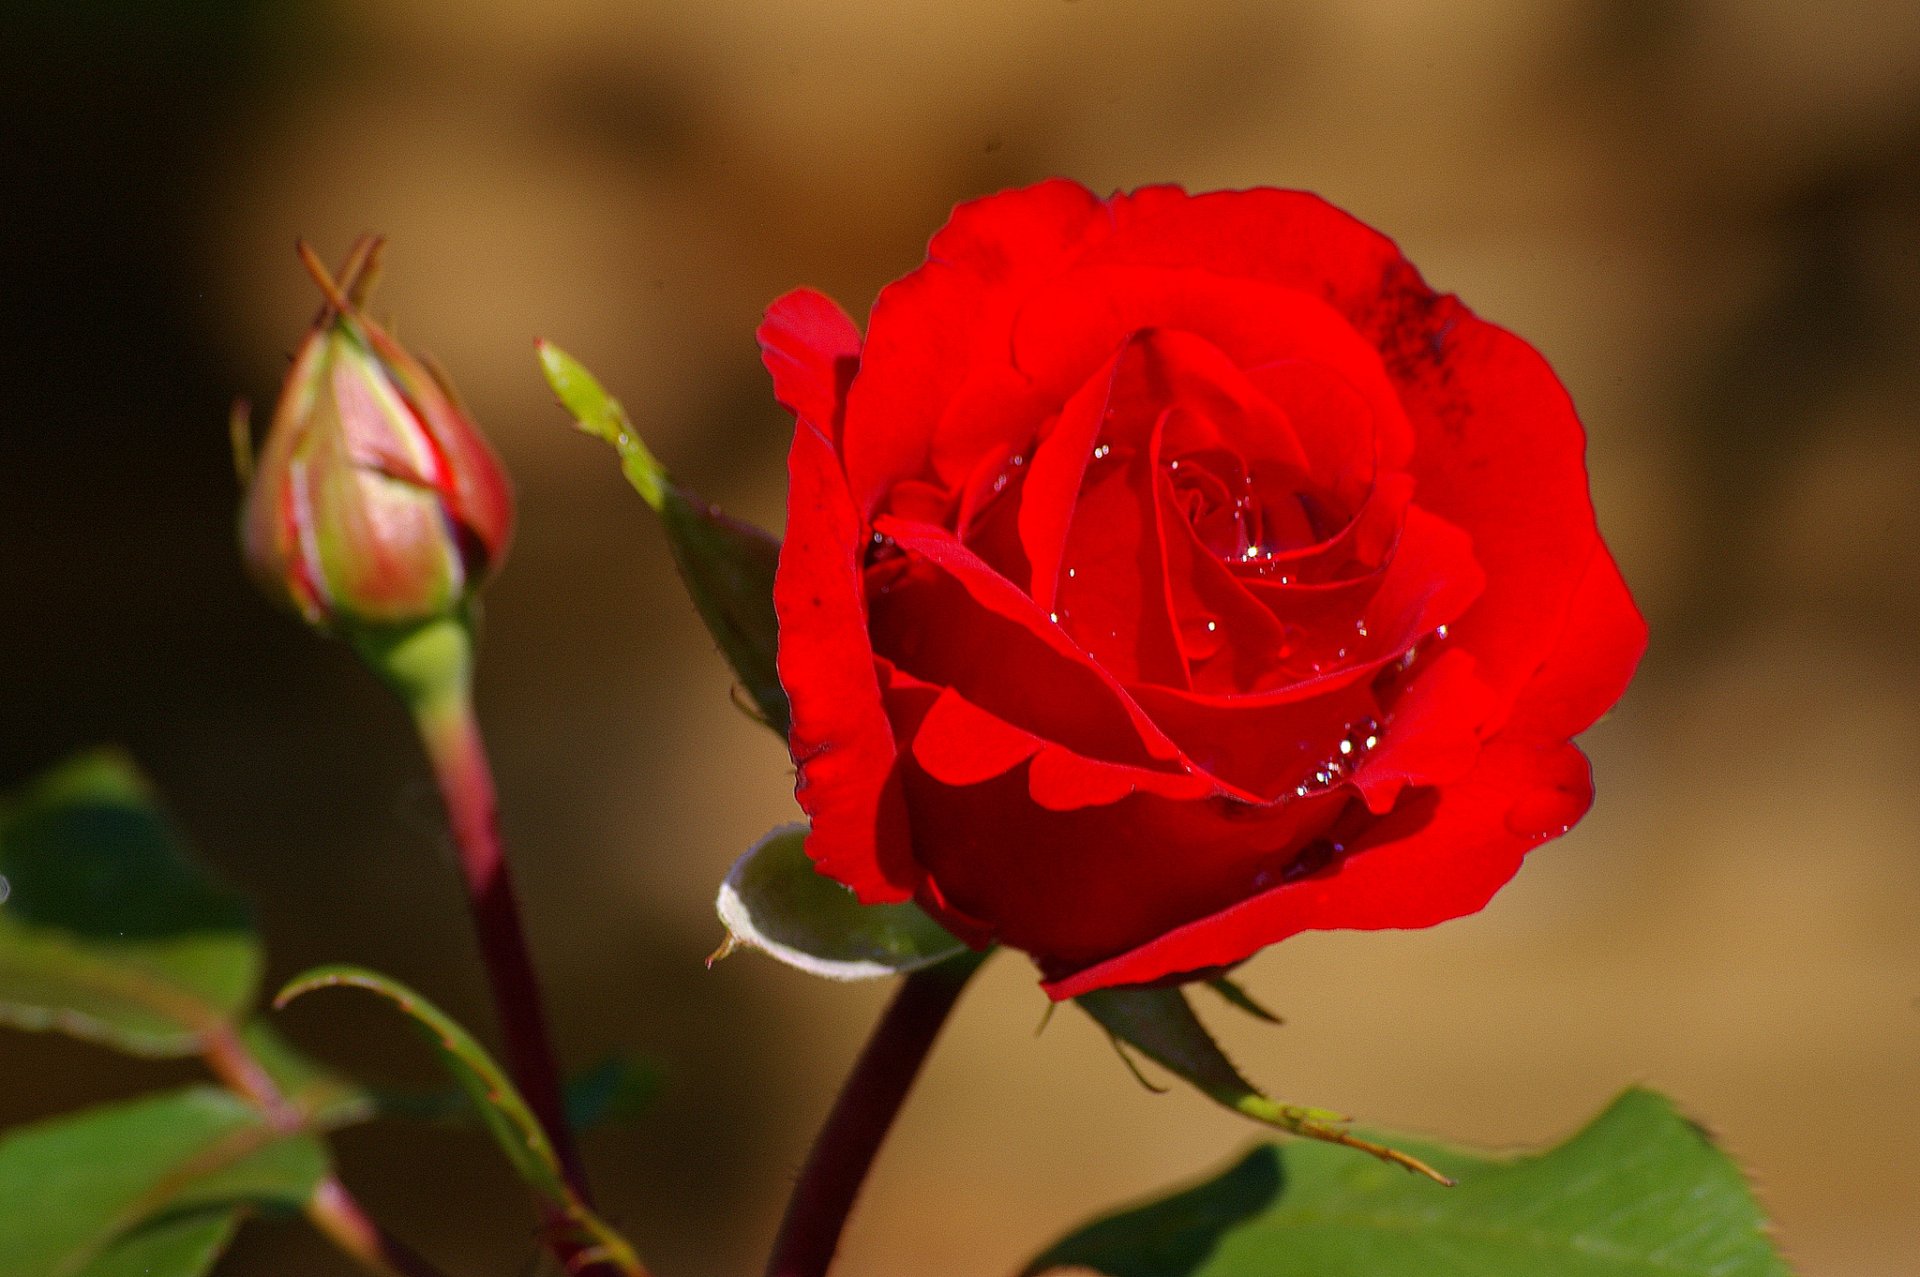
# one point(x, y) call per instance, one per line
point(450, 731)
point(870, 1099)
point(338, 1214)
point(332, 1209)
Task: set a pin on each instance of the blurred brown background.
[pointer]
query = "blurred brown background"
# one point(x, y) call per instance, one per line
point(1707, 215)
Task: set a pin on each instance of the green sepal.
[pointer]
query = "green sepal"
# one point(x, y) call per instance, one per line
point(502, 1109)
point(152, 1186)
point(109, 930)
point(726, 564)
point(775, 901)
point(1641, 1192)
point(1161, 1025)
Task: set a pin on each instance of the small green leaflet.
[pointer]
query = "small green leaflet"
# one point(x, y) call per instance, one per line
point(151, 1187)
point(109, 931)
point(500, 1105)
point(1160, 1024)
point(774, 901)
point(727, 565)
point(1641, 1192)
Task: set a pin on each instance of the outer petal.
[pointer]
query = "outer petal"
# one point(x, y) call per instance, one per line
point(841, 740)
point(1501, 455)
point(932, 329)
point(1074, 887)
point(1291, 238)
point(1589, 667)
point(1441, 854)
point(812, 350)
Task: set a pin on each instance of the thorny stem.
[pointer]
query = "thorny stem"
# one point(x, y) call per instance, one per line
point(451, 734)
point(332, 1209)
point(870, 1099)
point(338, 1214)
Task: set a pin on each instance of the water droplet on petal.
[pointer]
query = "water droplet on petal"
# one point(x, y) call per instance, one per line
point(1545, 813)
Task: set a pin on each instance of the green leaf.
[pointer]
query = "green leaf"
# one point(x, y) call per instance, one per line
point(151, 1186)
point(108, 930)
point(1641, 1192)
point(501, 1107)
point(1160, 1024)
point(774, 901)
point(727, 565)
point(184, 1246)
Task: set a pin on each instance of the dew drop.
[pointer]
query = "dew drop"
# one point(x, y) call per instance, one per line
point(1102, 452)
point(1054, 617)
point(1440, 633)
point(1545, 813)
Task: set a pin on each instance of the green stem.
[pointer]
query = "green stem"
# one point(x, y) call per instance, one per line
point(868, 1103)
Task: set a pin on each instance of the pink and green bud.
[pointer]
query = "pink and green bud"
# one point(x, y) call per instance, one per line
point(375, 502)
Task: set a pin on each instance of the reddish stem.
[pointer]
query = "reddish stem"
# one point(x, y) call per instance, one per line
point(451, 733)
point(338, 1214)
point(868, 1103)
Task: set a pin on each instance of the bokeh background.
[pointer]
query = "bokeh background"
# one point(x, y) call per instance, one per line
point(1706, 214)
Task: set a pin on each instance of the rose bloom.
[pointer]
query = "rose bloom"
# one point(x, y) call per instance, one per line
point(1166, 575)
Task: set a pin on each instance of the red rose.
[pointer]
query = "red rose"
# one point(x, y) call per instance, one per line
point(1169, 574)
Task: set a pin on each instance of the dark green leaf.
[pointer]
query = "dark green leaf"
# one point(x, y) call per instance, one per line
point(499, 1103)
point(1160, 1024)
point(109, 931)
point(181, 1246)
point(1241, 999)
point(616, 1090)
point(101, 1191)
point(1641, 1192)
point(774, 901)
point(727, 565)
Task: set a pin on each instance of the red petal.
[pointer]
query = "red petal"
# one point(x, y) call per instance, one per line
point(957, 743)
point(1072, 324)
point(1072, 887)
point(812, 350)
point(1589, 667)
point(932, 329)
point(950, 620)
point(841, 739)
point(1501, 455)
point(1293, 239)
point(1431, 735)
point(1440, 855)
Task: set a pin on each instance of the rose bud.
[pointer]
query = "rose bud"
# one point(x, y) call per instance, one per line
point(375, 502)
point(1166, 575)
